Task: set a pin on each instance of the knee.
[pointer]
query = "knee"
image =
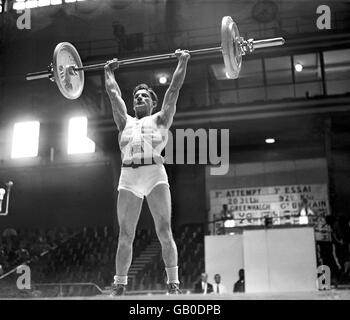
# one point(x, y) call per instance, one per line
point(126, 237)
point(164, 233)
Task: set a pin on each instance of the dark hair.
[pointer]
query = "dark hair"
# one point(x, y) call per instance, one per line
point(144, 86)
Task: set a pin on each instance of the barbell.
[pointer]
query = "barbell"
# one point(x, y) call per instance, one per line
point(67, 69)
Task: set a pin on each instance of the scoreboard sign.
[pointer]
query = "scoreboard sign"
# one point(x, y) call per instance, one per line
point(249, 206)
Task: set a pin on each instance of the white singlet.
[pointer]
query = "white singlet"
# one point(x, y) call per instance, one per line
point(140, 142)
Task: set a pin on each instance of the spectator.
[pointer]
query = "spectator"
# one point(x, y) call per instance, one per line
point(3, 258)
point(203, 286)
point(305, 209)
point(225, 213)
point(22, 255)
point(239, 286)
point(219, 288)
point(340, 247)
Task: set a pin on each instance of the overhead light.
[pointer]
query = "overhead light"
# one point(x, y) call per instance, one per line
point(78, 142)
point(25, 143)
point(298, 67)
point(163, 79)
point(229, 223)
point(303, 220)
point(270, 140)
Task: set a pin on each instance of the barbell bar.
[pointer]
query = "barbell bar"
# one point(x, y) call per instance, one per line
point(67, 69)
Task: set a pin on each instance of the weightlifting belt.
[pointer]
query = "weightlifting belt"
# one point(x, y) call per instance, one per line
point(140, 163)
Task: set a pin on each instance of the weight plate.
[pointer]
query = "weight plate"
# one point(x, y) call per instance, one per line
point(231, 50)
point(71, 84)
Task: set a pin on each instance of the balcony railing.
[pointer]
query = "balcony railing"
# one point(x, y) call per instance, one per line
point(210, 36)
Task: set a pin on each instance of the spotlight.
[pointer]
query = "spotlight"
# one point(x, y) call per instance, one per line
point(2, 193)
point(298, 67)
point(270, 140)
point(163, 79)
point(229, 223)
point(9, 184)
point(303, 220)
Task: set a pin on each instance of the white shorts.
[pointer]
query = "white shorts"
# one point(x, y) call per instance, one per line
point(141, 181)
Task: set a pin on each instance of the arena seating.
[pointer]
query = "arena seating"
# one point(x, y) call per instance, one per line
point(190, 244)
point(88, 256)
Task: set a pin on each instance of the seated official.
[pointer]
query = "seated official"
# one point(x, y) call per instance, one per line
point(203, 286)
point(218, 287)
point(239, 285)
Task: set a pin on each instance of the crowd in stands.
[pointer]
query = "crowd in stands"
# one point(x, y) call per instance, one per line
point(20, 245)
point(90, 257)
point(87, 255)
point(190, 246)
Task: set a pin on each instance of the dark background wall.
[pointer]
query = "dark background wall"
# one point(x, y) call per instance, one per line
point(83, 193)
point(71, 196)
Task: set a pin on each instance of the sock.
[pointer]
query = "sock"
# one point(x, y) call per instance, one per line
point(121, 280)
point(172, 274)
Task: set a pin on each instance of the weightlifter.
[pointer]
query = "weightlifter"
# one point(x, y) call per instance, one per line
point(141, 140)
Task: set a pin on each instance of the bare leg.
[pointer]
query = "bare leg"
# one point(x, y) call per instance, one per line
point(159, 202)
point(129, 207)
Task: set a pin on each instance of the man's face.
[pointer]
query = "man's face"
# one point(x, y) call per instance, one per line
point(143, 103)
point(204, 277)
point(217, 278)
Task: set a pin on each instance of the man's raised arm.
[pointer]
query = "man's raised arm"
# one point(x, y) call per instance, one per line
point(115, 96)
point(169, 103)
